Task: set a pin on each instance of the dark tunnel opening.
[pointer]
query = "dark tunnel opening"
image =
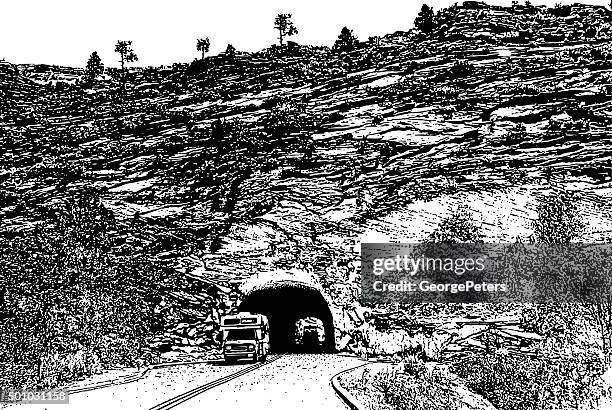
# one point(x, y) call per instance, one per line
point(285, 305)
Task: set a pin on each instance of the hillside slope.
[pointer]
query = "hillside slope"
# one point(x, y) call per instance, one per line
point(287, 160)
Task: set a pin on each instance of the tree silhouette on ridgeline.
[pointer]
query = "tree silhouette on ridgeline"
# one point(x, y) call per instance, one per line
point(203, 45)
point(425, 19)
point(94, 67)
point(346, 42)
point(230, 51)
point(284, 24)
point(125, 50)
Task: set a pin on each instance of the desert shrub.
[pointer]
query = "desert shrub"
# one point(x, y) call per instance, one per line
point(600, 55)
point(460, 69)
point(385, 383)
point(74, 297)
point(567, 326)
point(289, 117)
point(516, 135)
point(525, 89)
point(446, 93)
point(415, 367)
point(407, 88)
point(525, 383)
point(7, 105)
point(237, 138)
point(10, 139)
point(26, 116)
point(562, 127)
point(459, 227)
point(558, 219)
point(560, 10)
point(259, 207)
point(58, 169)
point(404, 391)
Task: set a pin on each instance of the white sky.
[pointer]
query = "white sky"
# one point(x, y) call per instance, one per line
point(65, 32)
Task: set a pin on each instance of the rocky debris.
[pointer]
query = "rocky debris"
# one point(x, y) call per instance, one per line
point(490, 337)
point(436, 333)
point(198, 334)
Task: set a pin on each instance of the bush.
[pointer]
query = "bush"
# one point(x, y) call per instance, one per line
point(558, 219)
point(408, 88)
point(459, 227)
point(73, 299)
point(461, 69)
point(516, 135)
point(523, 383)
point(404, 391)
point(289, 117)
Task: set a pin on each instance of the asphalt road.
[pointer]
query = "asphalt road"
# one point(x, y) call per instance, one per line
point(289, 382)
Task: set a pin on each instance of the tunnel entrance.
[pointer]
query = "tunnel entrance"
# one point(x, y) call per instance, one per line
point(287, 306)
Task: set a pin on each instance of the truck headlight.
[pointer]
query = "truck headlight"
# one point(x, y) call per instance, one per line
point(250, 348)
point(228, 347)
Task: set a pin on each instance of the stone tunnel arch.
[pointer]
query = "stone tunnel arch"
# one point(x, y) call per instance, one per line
point(284, 303)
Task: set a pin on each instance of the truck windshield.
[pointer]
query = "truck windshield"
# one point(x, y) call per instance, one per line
point(240, 334)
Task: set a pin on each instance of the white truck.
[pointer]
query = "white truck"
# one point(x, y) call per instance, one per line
point(245, 336)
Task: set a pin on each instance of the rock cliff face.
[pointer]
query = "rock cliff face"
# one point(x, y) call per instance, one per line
point(524, 23)
point(262, 164)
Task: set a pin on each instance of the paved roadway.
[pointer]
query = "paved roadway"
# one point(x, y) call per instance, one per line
point(296, 381)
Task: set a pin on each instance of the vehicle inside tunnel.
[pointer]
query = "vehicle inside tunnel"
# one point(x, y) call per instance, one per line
point(296, 313)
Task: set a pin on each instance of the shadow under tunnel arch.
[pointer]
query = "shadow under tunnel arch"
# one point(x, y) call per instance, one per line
point(286, 303)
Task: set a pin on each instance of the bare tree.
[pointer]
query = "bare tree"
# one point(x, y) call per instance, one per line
point(285, 27)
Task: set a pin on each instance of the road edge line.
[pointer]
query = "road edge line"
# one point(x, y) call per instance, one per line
point(131, 377)
point(190, 394)
point(344, 394)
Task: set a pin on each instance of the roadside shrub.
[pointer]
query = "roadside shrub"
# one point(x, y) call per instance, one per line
point(525, 383)
point(568, 327)
point(74, 297)
point(403, 391)
point(415, 367)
